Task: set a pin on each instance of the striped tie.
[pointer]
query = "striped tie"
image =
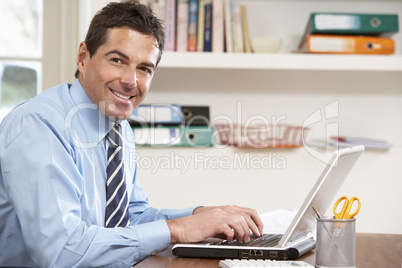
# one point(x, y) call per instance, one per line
point(116, 191)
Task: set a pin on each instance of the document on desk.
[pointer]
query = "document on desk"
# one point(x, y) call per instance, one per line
point(277, 221)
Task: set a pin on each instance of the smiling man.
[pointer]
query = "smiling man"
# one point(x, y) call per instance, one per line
point(119, 74)
point(69, 193)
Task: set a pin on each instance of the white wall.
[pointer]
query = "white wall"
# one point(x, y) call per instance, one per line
point(373, 112)
point(370, 105)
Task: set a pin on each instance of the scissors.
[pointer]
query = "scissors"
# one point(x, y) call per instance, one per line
point(345, 214)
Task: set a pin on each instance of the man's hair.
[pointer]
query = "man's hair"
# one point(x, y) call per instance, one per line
point(130, 14)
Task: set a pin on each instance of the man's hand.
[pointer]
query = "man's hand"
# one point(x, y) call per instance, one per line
point(229, 222)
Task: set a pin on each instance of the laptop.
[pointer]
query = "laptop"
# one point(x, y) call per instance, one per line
point(298, 238)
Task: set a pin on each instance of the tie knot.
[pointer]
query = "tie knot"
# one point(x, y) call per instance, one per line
point(114, 136)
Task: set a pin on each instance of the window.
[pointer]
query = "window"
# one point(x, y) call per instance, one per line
point(19, 81)
point(21, 26)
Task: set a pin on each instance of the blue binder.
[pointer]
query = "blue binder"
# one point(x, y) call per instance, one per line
point(156, 114)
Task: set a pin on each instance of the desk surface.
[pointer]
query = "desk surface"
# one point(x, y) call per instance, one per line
point(372, 250)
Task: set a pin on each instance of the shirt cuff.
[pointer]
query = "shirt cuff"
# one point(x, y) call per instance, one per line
point(182, 212)
point(153, 237)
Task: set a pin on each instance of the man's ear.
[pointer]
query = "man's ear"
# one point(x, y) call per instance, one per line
point(82, 56)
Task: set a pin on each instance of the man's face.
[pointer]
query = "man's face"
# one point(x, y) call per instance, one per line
point(119, 74)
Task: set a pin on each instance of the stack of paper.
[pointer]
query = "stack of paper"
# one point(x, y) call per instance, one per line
point(337, 142)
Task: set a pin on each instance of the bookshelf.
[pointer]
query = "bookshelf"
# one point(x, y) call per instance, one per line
point(287, 19)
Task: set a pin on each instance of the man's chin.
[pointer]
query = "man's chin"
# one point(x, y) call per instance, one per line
point(117, 114)
point(117, 117)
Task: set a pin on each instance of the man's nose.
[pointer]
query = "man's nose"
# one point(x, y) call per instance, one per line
point(129, 77)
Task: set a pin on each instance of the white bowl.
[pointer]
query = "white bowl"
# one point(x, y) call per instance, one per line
point(266, 44)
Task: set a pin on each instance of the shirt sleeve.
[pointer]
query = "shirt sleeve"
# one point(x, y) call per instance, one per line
point(144, 218)
point(41, 178)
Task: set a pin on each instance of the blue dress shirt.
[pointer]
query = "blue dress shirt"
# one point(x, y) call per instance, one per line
point(52, 188)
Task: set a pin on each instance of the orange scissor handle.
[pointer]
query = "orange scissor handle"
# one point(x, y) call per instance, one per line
point(347, 214)
point(347, 206)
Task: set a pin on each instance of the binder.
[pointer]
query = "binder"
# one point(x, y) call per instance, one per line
point(351, 24)
point(195, 115)
point(165, 136)
point(154, 114)
point(347, 44)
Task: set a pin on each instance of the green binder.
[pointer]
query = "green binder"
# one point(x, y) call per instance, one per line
point(351, 24)
point(165, 136)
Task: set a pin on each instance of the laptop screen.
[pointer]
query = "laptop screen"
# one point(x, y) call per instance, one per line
point(327, 186)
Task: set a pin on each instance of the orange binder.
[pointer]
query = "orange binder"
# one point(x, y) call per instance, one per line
point(347, 44)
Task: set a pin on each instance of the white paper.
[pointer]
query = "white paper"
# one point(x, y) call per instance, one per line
point(277, 221)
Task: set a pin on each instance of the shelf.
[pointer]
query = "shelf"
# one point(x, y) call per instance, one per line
point(281, 61)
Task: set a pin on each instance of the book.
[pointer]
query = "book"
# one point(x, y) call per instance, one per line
point(200, 31)
point(228, 26)
point(192, 25)
point(208, 26)
point(182, 25)
point(347, 44)
point(351, 23)
point(218, 41)
point(246, 34)
point(170, 24)
point(161, 10)
point(238, 41)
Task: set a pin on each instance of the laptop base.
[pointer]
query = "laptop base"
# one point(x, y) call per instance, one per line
point(291, 253)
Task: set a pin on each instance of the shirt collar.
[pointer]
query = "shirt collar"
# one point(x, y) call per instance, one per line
point(88, 123)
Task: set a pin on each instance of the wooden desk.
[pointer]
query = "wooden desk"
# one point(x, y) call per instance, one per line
point(372, 250)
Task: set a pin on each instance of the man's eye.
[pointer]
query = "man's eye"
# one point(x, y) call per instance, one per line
point(147, 70)
point(116, 60)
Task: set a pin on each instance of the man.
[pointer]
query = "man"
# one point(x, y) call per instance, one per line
point(55, 162)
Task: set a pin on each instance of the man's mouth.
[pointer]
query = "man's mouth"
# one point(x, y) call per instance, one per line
point(125, 97)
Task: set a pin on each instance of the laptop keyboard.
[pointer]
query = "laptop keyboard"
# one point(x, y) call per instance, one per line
point(266, 240)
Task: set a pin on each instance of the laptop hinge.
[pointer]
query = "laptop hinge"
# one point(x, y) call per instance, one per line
point(300, 249)
point(300, 240)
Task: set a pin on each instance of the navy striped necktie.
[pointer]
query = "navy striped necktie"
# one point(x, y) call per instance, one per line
point(116, 190)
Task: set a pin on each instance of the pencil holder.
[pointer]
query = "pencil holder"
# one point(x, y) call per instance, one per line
point(336, 243)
